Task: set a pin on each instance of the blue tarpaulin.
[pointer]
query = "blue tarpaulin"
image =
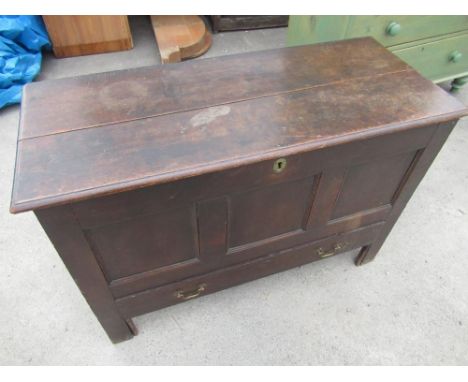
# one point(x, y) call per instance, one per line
point(21, 41)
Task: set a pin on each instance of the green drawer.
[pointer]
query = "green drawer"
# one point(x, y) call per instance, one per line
point(438, 60)
point(388, 30)
point(393, 30)
point(425, 42)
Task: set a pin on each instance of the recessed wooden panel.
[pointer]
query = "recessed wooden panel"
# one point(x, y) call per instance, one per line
point(268, 212)
point(371, 185)
point(144, 243)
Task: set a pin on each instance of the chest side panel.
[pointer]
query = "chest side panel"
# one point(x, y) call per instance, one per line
point(145, 242)
point(371, 185)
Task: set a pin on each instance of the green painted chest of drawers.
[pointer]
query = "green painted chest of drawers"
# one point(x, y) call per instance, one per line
point(436, 46)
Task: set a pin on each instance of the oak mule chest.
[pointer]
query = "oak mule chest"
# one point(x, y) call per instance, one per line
point(160, 184)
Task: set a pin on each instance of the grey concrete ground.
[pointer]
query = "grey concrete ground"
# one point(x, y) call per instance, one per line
point(410, 306)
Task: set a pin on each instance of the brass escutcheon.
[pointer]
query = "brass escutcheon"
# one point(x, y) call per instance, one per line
point(279, 165)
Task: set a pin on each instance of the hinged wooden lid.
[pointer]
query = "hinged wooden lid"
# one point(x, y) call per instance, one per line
point(104, 133)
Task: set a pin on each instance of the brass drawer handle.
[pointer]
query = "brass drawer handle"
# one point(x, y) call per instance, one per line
point(187, 295)
point(322, 253)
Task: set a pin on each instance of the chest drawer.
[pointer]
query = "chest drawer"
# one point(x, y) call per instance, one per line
point(438, 60)
point(394, 30)
point(200, 285)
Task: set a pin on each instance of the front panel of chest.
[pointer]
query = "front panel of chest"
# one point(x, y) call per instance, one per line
point(165, 233)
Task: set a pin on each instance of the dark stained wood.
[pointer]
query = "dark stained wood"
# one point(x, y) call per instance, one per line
point(126, 95)
point(212, 220)
point(221, 189)
point(179, 145)
point(151, 236)
point(232, 23)
point(158, 198)
point(69, 241)
point(278, 210)
point(408, 186)
point(371, 185)
point(164, 193)
point(151, 299)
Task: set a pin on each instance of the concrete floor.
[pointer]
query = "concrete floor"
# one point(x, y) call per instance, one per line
point(408, 307)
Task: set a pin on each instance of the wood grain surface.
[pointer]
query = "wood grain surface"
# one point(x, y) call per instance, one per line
point(180, 37)
point(258, 105)
point(82, 35)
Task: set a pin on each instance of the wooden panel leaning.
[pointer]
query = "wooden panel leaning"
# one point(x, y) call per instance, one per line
point(82, 35)
point(153, 192)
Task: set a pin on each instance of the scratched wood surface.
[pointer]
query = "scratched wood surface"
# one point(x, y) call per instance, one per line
point(106, 133)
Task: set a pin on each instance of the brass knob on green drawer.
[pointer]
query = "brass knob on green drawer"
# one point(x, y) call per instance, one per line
point(393, 28)
point(455, 56)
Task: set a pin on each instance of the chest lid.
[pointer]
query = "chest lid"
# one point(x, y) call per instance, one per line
point(98, 134)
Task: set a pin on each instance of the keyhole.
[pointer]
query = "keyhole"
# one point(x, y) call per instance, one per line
point(279, 165)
